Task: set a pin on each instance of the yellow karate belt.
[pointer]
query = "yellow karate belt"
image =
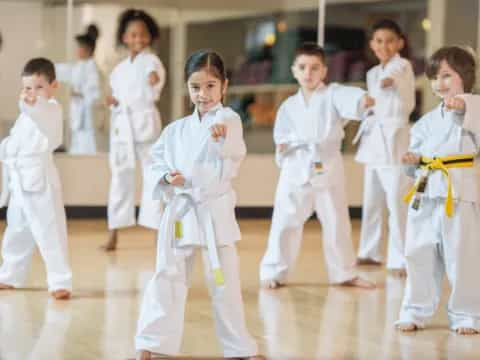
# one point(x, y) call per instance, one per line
point(442, 164)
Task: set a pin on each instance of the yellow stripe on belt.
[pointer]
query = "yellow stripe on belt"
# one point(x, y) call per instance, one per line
point(443, 164)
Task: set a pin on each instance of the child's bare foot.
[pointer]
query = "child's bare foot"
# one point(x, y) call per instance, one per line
point(271, 284)
point(407, 327)
point(368, 261)
point(147, 355)
point(111, 244)
point(360, 283)
point(61, 294)
point(6, 287)
point(401, 273)
point(466, 331)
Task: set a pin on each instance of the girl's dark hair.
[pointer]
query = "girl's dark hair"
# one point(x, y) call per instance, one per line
point(136, 15)
point(460, 60)
point(89, 39)
point(387, 24)
point(208, 60)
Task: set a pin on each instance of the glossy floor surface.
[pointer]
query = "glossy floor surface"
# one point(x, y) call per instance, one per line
point(306, 320)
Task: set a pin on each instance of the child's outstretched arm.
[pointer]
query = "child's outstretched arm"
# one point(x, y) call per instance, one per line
point(156, 77)
point(351, 102)
point(401, 80)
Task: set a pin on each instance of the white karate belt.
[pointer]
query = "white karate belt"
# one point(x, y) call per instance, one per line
point(122, 134)
point(11, 170)
point(174, 212)
point(365, 126)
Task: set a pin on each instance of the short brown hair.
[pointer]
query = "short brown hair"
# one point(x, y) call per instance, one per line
point(310, 48)
point(459, 59)
point(40, 66)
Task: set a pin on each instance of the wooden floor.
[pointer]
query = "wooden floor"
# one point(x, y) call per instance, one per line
point(306, 320)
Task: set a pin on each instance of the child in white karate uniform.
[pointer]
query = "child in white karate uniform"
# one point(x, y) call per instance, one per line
point(444, 203)
point(84, 80)
point(384, 140)
point(31, 186)
point(195, 160)
point(135, 123)
point(308, 134)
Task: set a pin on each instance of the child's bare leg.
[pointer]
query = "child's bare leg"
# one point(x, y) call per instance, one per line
point(111, 244)
point(6, 287)
point(360, 283)
point(407, 327)
point(147, 355)
point(368, 261)
point(466, 331)
point(61, 294)
point(271, 284)
point(401, 273)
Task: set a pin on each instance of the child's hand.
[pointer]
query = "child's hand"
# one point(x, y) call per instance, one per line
point(153, 78)
point(368, 101)
point(455, 103)
point(386, 83)
point(29, 100)
point(217, 131)
point(411, 159)
point(176, 179)
point(110, 100)
point(282, 147)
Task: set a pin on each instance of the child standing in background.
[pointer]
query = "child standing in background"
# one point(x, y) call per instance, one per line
point(195, 161)
point(444, 204)
point(136, 85)
point(31, 186)
point(384, 140)
point(83, 78)
point(308, 134)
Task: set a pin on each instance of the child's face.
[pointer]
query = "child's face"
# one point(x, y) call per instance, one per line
point(136, 36)
point(83, 52)
point(206, 90)
point(385, 44)
point(310, 71)
point(37, 85)
point(447, 83)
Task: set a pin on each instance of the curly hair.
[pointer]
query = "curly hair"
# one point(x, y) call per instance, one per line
point(136, 15)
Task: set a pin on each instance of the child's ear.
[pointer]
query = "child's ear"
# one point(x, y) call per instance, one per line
point(54, 84)
point(371, 43)
point(225, 87)
point(401, 43)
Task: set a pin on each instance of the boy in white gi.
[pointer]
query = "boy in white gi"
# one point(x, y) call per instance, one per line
point(444, 203)
point(84, 80)
point(308, 134)
point(136, 85)
point(194, 162)
point(31, 185)
point(384, 140)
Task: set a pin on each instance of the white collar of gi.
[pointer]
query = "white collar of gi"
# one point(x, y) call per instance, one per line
point(131, 61)
point(393, 59)
point(208, 115)
point(321, 88)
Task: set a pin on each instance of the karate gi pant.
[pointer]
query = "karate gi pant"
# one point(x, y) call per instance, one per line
point(160, 326)
point(438, 245)
point(293, 206)
point(121, 200)
point(384, 187)
point(82, 142)
point(36, 218)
